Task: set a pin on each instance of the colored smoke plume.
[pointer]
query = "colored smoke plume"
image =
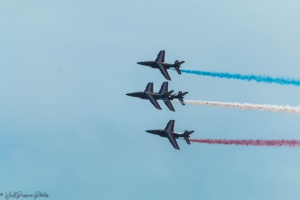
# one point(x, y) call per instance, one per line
point(274, 143)
point(257, 78)
point(243, 106)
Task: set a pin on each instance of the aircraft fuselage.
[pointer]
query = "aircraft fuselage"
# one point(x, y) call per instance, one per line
point(143, 95)
point(163, 133)
point(154, 64)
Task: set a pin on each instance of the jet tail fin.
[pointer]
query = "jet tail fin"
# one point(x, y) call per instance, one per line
point(177, 66)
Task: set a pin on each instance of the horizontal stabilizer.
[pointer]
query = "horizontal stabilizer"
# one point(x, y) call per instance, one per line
point(178, 70)
point(187, 133)
point(187, 140)
point(181, 101)
point(183, 93)
point(178, 63)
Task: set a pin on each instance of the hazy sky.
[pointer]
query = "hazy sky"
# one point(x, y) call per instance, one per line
point(67, 128)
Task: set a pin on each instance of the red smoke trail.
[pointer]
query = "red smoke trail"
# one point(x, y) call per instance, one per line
point(274, 143)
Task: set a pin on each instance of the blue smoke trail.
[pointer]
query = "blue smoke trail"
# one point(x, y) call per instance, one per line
point(264, 79)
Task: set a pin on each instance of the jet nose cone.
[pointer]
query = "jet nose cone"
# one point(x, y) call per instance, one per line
point(130, 94)
point(144, 63)
point(150, 131)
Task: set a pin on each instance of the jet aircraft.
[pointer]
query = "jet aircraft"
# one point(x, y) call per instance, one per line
point(161, 65)
point(163, 94)
point(178, 96)
point(169, 133)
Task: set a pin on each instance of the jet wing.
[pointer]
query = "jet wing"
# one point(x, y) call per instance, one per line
point(170, 126)
point(164, 88)
point(161, 56)
point(149, 87)
point(153, 101)
point(163, 71)
point(172, 140)
point(169, 104)
point(169, 129)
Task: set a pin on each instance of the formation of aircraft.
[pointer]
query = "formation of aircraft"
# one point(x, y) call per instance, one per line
point(160, 64)
point(169, 133)
point(165, 96)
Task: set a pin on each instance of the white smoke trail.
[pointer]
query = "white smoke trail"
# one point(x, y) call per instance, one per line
point(275, 108)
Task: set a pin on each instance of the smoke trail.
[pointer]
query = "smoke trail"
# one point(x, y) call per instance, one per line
point(275, 108)
point(274, 143)
point(257, 78)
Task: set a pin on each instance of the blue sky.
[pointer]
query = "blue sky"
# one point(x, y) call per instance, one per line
point(67, 128)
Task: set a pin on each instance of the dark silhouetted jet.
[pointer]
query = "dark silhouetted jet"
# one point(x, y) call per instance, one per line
point(178, 96)
point(169, 133)
point(161, 65)
point(163, 94)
